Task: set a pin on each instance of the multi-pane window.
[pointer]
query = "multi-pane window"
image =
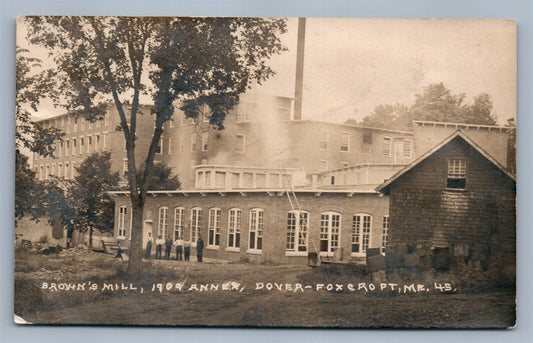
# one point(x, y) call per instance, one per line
point(456, 174)
point(256, 229)
point(234, 228)
point(193, 142)
point(297, 227)
point(239, 144)
point(385, 234)
point(96, 142)
point(407, 148)
point(387, 146)
point(220, 180)
point(162, 228)
point(122, 213)
point(74, 145)
point(105, 141)
point(196, 224)
point(67, 171)
point(214, 227)
point(75, 124)
point(170, 145)
point(361, 226)
point(324, 138)
point(205, 140)
point(125, 167)
point(323, 165)
point(81, 145)
point(330, 225)
point(60, 170)
point(178, 222)
point(345, 141)
point(159, 147)
point(367, 143)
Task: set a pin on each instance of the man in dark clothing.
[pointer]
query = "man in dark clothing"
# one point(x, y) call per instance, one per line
point(168, 248)
point(199, 249)
point(187, 250)
point(148, 252)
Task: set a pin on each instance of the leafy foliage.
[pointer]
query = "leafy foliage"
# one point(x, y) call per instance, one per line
point(436, 103)
point(191, 61)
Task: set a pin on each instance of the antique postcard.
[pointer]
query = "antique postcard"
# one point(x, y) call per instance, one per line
point(266, 172)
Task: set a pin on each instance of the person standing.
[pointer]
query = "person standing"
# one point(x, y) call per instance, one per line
point(199, 248)
point(159, 246)
point(187, 250)
point(148, 252)
point(168, 248)
point(179, 249)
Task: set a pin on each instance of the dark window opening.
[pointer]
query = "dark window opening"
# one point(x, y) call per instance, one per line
point(456, 183)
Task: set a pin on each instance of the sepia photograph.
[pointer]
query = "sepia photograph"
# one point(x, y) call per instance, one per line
point(265, 172)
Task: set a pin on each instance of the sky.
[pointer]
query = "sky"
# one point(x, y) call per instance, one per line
point(352, 65)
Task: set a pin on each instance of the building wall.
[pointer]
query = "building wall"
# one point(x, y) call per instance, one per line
point(275, 209)
point(422, 209)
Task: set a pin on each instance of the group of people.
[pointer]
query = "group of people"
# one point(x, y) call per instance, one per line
point(183, 248)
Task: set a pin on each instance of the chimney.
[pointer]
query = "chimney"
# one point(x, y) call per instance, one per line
point(298, 87)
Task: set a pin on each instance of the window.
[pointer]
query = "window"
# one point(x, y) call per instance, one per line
point(196, 226)
point(68, 124)
point(407, 146)
point(193, 142)
point(247, 180)
point(125, 168)
point(60, 170)
point(105, 141)
point(72, 170)
point(62, 121)
point(345, 164)
point(323, 165)
point(297, 227)
point(75, 124)
point(89, 143)
point(456, 174)
point(256, 230)
point(214, 228)
point(384, 234)
point(67, 171)
point(234, 228)
point(345, 141)
point(74, 146)
point(178, 223)
point(162, 229)
point(106, 118)
point(90, 124)
point(96, 142)
point(361, 227)
point(220, 180)
point(81, 145)
point(387, 146)
point(330, 225)
point(170, 145)
point(239, 144)
point(367, 143)
point(159, 147)
point(41, 173)
point(60, 150)
point(324, 138)
point(205, 139)
point(242, 113)
point(122, 213)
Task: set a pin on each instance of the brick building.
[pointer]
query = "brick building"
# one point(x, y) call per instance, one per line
point(456, 201)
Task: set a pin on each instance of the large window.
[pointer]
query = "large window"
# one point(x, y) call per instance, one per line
point(205, 140)
point(214, 228)
point(385, 234)
point(367, 143)
point(239, 143)
point(256, 230)
point(345, 141)
point(407, 148)
point(163, 222)
point(456, 174)
point(122, 213)
point(330, 227)
point(178, 223)
point(387, 146)
point(361, 229)
point(234, 228)
point(196, 224)
point(193, 142)
point(171, 145)
point(159, 147)
point(297, 227)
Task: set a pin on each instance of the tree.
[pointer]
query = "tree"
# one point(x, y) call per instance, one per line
point(162, 178)
point(436, 103)
point(31, 87)
point(193, 61)
point(88, 195)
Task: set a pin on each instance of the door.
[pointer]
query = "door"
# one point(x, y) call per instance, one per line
point(330, 225)
point(147, 231)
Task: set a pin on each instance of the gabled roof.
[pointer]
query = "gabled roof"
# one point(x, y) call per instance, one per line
point(384, 188)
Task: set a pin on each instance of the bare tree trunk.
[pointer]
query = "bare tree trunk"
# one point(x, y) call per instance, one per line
point(136, 248)
point(91, 237)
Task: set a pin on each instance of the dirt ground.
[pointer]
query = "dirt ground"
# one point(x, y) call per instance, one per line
point(204, 300)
